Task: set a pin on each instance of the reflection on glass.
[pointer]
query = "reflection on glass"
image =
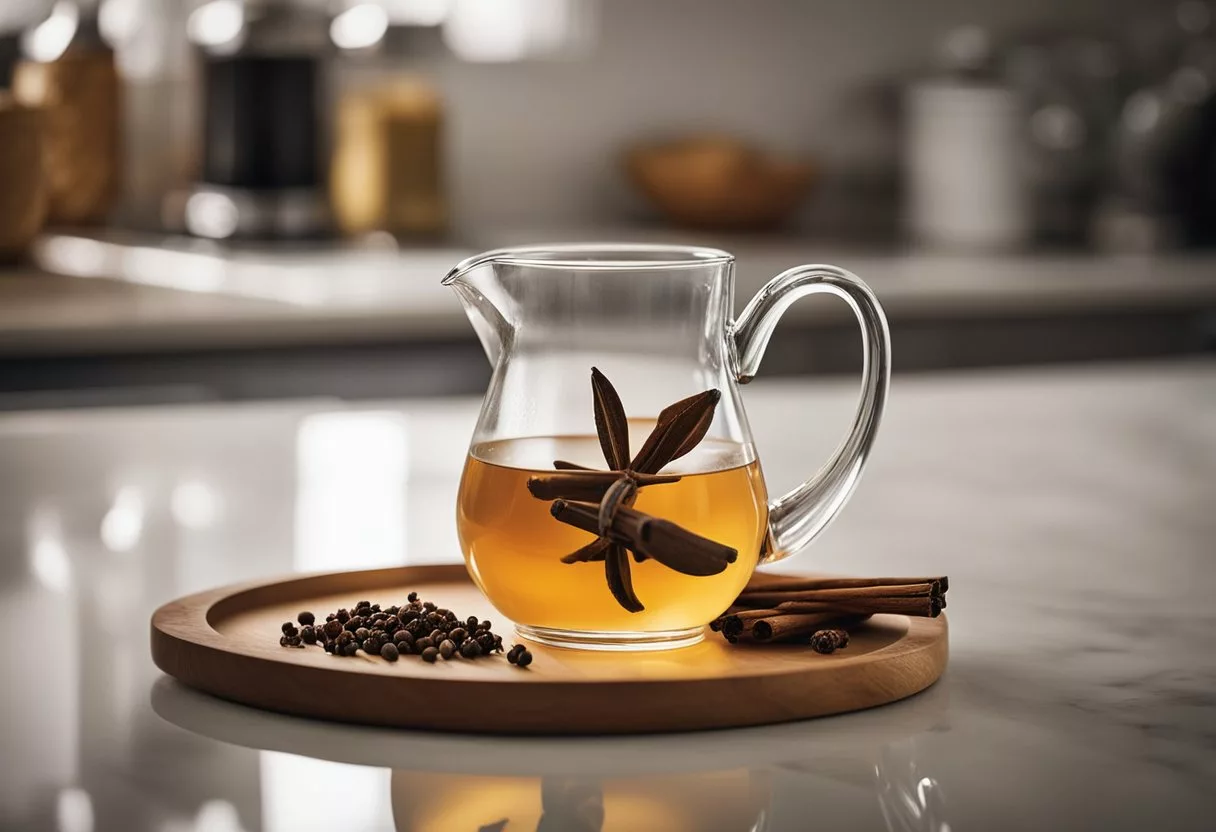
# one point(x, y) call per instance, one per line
point(352, 471)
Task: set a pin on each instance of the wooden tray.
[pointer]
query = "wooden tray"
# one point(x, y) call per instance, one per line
point(225, 642)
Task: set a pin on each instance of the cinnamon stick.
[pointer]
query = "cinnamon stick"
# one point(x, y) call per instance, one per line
point(925, 606)
point(764, 597)
point(786, 627)
point(669, 544)
point(587, 486)
point(769, 581)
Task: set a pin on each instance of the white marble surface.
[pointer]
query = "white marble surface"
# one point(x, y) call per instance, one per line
point(138, 294)
point(1073, 510)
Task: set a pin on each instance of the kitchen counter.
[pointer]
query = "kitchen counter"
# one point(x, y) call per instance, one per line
point(133, 294)
point(1072, 509)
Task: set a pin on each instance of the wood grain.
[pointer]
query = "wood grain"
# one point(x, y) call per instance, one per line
point(225, 642)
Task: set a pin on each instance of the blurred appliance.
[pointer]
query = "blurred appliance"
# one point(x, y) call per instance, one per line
point(963, 152)
point(9, 51)
point(23, 192)
point(1162, 191)
point(264, 140)
point(1069, 86)
point(387, 171)
point(68, 72)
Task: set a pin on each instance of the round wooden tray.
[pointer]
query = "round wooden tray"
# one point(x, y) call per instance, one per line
point(225, 642)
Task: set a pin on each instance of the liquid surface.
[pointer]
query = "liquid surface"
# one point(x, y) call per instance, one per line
point(514, 546)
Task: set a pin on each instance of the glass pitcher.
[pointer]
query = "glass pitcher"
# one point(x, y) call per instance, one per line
point(656, 321)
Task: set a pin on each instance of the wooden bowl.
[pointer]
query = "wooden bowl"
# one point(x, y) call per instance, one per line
point(718, 183)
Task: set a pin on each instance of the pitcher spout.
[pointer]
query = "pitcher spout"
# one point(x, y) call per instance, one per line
point(474, 283)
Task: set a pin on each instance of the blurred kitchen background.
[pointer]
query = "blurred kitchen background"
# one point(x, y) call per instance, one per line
point(244, 200)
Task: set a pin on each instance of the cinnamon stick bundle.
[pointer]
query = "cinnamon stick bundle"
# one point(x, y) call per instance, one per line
point(775, 608)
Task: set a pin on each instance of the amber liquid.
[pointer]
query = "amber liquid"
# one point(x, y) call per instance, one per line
point(513, 546)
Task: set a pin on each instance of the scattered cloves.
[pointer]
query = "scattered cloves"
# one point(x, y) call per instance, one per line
point(416, 627)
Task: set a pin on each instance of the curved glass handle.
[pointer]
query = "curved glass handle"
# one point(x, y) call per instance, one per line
point(796, 518)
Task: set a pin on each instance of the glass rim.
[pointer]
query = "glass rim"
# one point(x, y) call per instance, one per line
point(598, 257)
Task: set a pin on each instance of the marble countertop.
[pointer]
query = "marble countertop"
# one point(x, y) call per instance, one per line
point(1072, 509)
point(136, 294)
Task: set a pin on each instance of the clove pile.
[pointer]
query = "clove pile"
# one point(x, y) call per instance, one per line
point(416, 627)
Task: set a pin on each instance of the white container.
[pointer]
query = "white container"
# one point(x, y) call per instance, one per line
point(964, 151)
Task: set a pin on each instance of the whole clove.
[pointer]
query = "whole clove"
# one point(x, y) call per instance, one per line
point(828, 641)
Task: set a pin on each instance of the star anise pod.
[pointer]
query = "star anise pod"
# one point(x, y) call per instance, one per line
point(600, 502)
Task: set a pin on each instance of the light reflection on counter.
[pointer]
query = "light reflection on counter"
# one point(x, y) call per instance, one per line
point(334, 277)
point(301, 793)
point(351, 498)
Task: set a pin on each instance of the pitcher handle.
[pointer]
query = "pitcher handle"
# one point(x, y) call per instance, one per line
point(796, 518)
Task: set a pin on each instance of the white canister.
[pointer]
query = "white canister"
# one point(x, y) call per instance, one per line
point(964, 151)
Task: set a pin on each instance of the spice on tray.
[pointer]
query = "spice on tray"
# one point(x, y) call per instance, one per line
point(416, 627)
point(600, 502)
point(519, 656)
point(829, 641)
point(819, 611)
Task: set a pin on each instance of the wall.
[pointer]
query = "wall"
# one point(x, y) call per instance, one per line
point(539, 143)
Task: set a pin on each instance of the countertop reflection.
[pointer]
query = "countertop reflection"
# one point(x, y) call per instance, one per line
point(1072, 509)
